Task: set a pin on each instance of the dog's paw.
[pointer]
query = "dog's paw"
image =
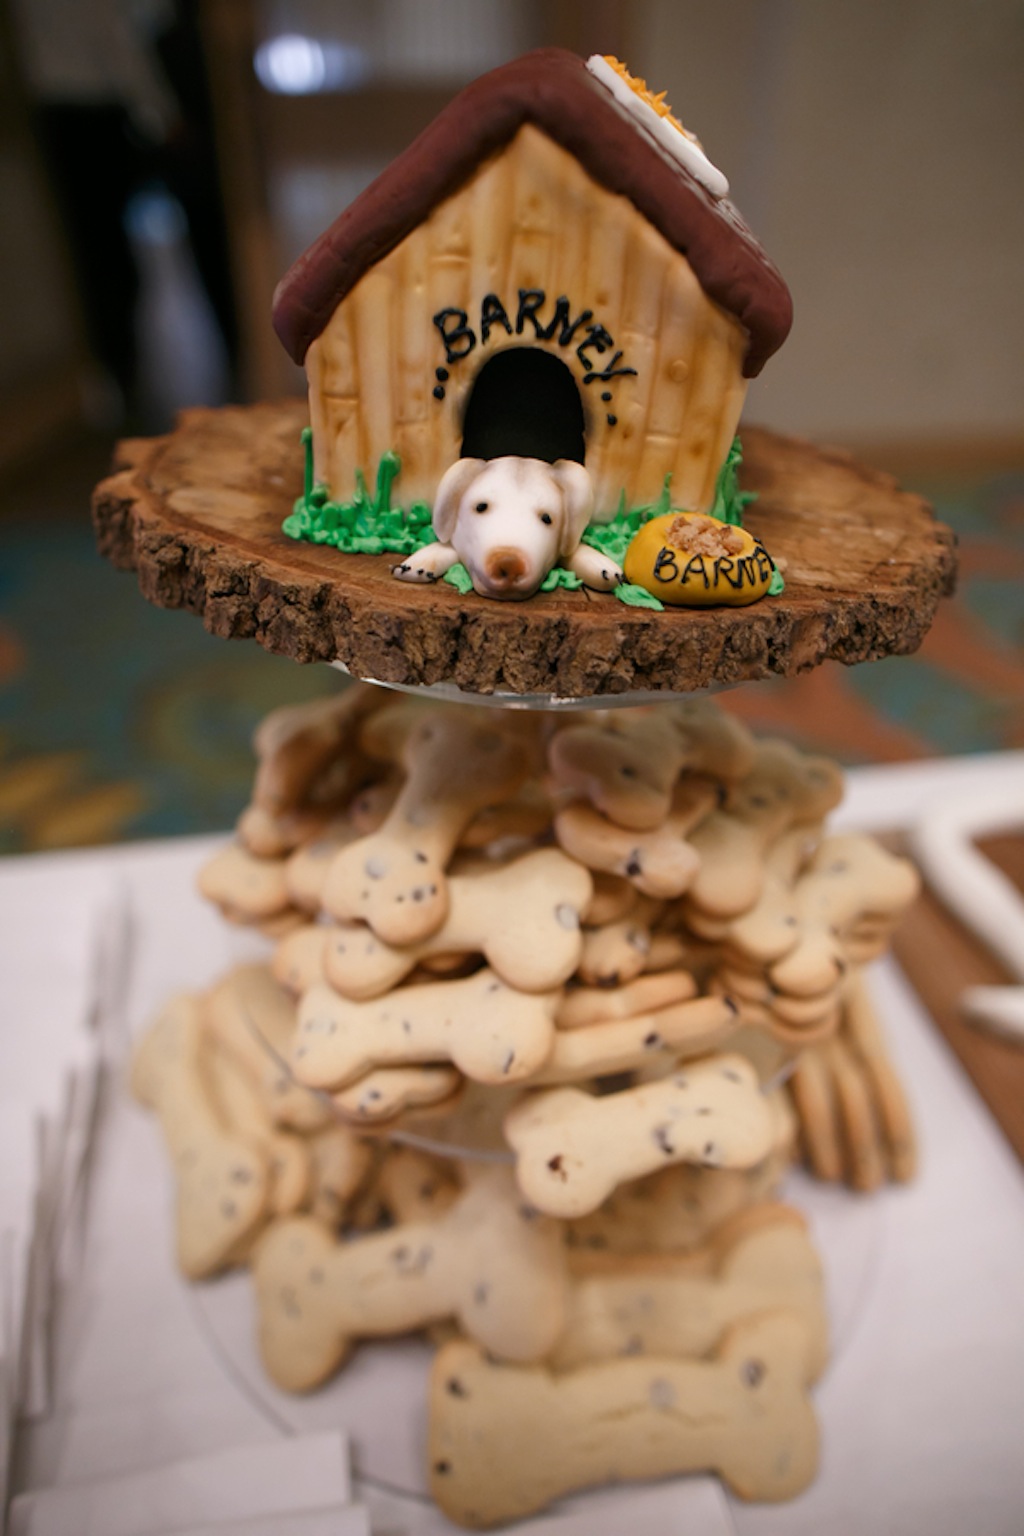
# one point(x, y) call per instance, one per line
point(410, 570)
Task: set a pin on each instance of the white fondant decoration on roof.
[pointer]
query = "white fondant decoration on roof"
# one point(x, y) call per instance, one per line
point(675, 140)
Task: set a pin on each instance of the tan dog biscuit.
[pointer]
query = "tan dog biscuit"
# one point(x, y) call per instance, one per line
point(629, 764)
point(340, 1166)
point(246, 888)
point(523, 917)
point(482, 1026)
point(298, 959)
point(682, 1029)
point(395, 879)
point(415, 1186)
point(273, 836)
point(618, 951)
point(613, 899)
point(222, 1180)
point(488, 1261)
point(745, 1415)
point(306, 869)
point(243, 1111)
point(661, 863)
point(304, 751)
point(680, 1306)
point(580, 1006)
point(382, 1095)
point(573, 1149)
point(783, 789)
point(255, 1019)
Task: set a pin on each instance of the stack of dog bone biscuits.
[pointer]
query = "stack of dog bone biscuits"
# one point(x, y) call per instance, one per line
point(549, 1008)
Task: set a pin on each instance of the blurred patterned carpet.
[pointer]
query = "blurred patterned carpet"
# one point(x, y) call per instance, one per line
point(118, 720)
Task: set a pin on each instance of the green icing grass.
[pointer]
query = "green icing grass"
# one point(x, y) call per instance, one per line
point(370, 525)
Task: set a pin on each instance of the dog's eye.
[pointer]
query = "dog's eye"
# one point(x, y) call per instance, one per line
point(481, 506)
point(545, 517)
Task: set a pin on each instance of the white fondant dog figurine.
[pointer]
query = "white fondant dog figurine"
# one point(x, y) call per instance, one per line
point(510, 521)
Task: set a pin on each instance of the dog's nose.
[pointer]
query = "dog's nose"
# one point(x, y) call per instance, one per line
point(505, 566)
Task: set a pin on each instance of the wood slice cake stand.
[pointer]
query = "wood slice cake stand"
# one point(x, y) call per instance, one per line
point(198, 515)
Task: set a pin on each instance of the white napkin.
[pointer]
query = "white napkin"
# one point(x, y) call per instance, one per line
point(277, 1477)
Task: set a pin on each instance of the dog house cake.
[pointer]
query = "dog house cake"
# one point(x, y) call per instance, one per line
point(548, 1000)
point(538, 277)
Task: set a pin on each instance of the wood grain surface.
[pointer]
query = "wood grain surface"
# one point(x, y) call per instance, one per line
point(941, 958)
point(197, 514)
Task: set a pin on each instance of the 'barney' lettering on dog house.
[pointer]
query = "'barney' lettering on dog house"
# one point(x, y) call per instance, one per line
point(538, 275)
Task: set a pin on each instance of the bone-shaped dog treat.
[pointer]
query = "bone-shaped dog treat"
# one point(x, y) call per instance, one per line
point(255, 1020)
point(271, 836)
point(222, 1180)
point(849, 878)
point(523, 917)
point(627, 765)
point(506, 1441)
point(581, 1006)
point(482, 1026)
point(618, 951)
point(340, 1164)
point(625, 1045)
point(298, 959)
point(783, 789)
point(680, 1306)
point(488, 1261)
point(305, 751)
point(246, 888)
point(306, 869)
point(387, 1092)
point(415, 1186)
point(661, 863)
point(573, 1149)
point(613, 899)
point(242, 1110)
point(395, 879)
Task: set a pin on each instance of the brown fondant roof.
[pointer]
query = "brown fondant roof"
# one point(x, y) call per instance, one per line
point(554, 90)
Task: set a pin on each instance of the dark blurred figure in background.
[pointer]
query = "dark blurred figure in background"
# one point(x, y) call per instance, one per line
point(122, 103)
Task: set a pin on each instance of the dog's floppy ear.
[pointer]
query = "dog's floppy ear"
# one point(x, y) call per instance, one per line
point(454, 484)
point(578, 502)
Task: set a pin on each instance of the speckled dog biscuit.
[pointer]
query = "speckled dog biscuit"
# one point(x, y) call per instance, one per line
point(573, 1149)
point(660, 863)
point(382, 1095)
point(482, 1026)
point(298, 959)
point(613, 899)
point(628, 765)
point(340, 1164)
point(271, 836)
point(523, 917)
point(395, 879)
point(246, 888)
point(304, 751)
point(222, 1180)
point(625, 1045)
point(580, 1006)
point(618, 951)
point(488, 1261)
point(244, 1112)
point(255, 1019)
point(848, 879)
point(680, 1306)
point(783, 789)
point(854, 1121)
point(745, 1415)
point(415, 1186)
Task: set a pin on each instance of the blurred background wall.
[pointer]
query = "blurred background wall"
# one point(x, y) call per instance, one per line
point(875, 147)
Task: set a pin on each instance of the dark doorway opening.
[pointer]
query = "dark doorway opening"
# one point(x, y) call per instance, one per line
point(526, 402)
